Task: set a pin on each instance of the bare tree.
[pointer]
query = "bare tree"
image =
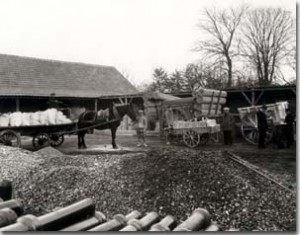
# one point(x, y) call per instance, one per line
point(220, 28)
point(195, 76)
point(267, 34)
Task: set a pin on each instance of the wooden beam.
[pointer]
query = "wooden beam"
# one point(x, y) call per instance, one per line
point(258, 98)
point(17, 104)
point(246, 97)
point(121, 101)
point(252, 97)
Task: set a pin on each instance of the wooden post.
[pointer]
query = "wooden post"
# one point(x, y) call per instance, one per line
point(17, 104)
point(252, 97)
point(96, 105)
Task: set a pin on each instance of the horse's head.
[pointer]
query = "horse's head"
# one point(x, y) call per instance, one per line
point(126, 109)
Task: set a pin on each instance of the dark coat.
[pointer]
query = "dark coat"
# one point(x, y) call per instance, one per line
point(227, 122)
point(262, 123)
point(289, 120)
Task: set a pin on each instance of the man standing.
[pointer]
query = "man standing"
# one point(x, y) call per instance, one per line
point(141, 125)
point(262, 126)
point(227, 126)
point(289, 128)
point(170, 120)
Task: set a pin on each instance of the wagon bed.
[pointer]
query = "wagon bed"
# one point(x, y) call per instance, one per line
point(195, 133)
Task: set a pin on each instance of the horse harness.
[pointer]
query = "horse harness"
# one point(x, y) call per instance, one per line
point(101, 115)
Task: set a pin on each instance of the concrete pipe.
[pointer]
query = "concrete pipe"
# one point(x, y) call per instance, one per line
point(166, 224)
point(7, 217)
point(143, 223)
point(13, 204)
point(199, 219)
point(67, 216)
point(94, 221)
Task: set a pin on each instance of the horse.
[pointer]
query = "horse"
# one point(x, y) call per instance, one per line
point(112, 122)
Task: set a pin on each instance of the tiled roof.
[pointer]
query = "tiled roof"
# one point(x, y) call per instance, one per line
point(82, 216)
point(24, 76)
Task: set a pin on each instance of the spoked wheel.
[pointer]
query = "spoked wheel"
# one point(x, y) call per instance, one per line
point(250, 131)
point(191, 138)
point(204, 138)
point(40, 140)
point(10, 138)
point(56, 140)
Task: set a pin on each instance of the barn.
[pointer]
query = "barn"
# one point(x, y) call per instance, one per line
point(27, 84)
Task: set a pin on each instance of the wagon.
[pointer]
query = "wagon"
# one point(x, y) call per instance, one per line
point(276, 115)
point(195, 117)
point(195, 133)
point(41, 134)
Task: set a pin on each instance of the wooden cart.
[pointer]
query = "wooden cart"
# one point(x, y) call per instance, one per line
point(275, 113)
point(54, 134)
point(194, 133)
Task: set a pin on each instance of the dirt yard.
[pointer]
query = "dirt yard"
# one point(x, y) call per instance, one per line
point(167, 179)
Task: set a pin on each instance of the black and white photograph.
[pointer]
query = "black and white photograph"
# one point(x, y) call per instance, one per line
point(148, 115)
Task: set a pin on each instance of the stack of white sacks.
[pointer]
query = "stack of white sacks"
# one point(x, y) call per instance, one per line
point(45, 118)
point(207, 99)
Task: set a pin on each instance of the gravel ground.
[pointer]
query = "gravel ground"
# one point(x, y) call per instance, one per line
point(16, 163)
point(169, 180)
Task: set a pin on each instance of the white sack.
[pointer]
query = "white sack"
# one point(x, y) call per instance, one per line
point(4, 119)
point(52, 116)
point(16, 119)
point(61, 118)
point(44, 118)
point(26, 119)
point(35, 119)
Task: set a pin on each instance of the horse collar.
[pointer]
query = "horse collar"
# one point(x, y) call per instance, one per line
point(116, 113)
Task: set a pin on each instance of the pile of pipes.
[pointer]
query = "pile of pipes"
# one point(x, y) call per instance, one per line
point(82, 216)
point(209, 102)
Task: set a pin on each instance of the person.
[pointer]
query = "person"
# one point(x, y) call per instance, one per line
point(141, 124)
point(289, 128)
point(277, 135)
point(262, 125)
point(227, 126)
point(169, 122)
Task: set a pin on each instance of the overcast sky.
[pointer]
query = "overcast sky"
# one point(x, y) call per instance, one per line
point(135, 36)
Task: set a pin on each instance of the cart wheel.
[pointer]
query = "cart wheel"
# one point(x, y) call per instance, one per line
point(250, 131)
point(204, 138)
point(56, 140)
point(10, 138)
point(191, 138)
point(40, 140)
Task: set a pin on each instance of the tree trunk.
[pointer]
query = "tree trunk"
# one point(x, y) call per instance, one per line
point(229, 65)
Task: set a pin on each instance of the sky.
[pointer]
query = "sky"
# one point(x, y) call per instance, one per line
point(135, 36)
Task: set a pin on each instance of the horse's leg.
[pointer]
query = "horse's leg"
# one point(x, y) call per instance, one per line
point(83, 141)
point(79, 140)
point(113, 136)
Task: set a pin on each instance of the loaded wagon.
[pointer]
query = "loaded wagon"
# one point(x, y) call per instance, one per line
point(195, 118)
point(275, 113)
point(41, 134)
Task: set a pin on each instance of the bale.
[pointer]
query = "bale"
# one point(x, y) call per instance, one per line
point(209, 92)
